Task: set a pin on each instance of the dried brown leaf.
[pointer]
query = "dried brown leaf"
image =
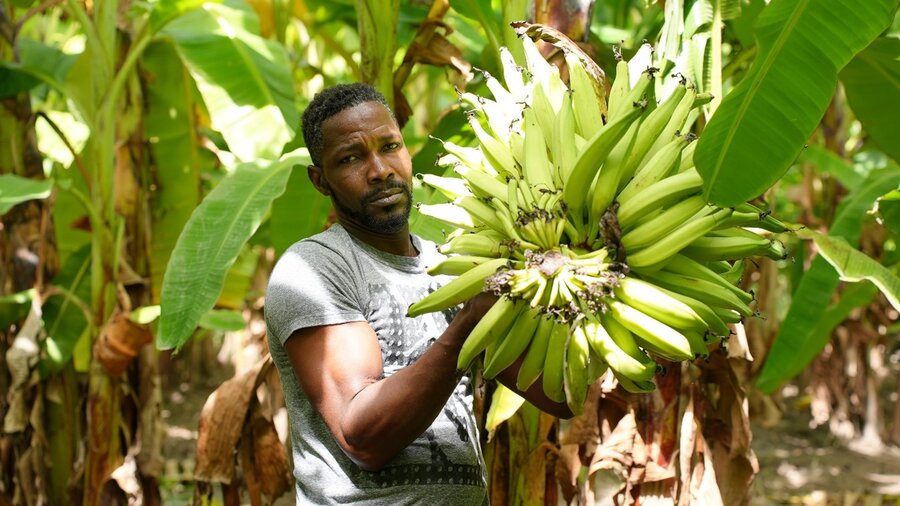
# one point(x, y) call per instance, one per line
point(221, 423)
point(686, 448)
point(617, 451)
point(119, 343)
point(21, 359)
point(269, 457)
point(568, 467)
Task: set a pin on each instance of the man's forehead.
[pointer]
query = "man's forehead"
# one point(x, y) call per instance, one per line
point(367, 118)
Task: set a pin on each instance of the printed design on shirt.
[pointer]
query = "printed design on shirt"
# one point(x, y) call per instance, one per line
point(402, 339)
point(445, 453)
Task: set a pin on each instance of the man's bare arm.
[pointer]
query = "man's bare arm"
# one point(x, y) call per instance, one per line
point(372, 418)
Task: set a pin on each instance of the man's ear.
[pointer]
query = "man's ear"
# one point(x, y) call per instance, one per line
point(315, 177)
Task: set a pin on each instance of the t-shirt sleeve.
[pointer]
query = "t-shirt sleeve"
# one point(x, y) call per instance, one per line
point(310, 286)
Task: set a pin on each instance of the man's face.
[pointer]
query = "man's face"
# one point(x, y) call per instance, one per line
point(366, 169)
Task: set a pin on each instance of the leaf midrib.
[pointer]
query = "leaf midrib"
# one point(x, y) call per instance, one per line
point(754, 88)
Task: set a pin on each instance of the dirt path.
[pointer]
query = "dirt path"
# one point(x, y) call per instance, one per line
point(799, 465)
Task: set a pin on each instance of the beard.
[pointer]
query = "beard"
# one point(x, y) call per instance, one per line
point(396, 216)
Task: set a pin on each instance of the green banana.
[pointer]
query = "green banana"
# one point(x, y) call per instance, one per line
point(533, 363)
point(635, 387)
point(486, 243)
point(481, 183)
point(585, 103)
point(654, 170)
point(450, 214)
point(493, 326)
point(651, 230)
point(612, 172)
point(655, 335)
point(457, 264)
point(649, 299)
point(496, 153)
point(726, 248)
point(651, 129)
point(657, 253)
point(575, 379)
point(457, 290)
point(712, 294)
point(592, 156)
point(514, 344)
point(555, 364)
point(698, 343)
point(619, 91)
point(450, 187)
point(512, 76)
point(687, 266)
point(676, 121)
point(632, 363)
point(536, 167)
point(658, 195)
point(482, 214)
point(714, 324)
point(728, 315)
point(766, 220)
point(563, 150)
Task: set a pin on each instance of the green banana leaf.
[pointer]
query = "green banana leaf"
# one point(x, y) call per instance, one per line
point(828, 161)
point(504, 404)
point(854, 266)
point(165, 11)
point(762, 125)
point(245, 80)
point(482, 12)
point(212, 240)
point(226, 320)
point(798, 340)
point(65, 322)
point(16, 189)
point(37, 63)
point(743, 24)
point(170, 126)
point(14, 307)
point(872, 83)
point(236, 288)
point(300, 212)
point(854, 296)
point(377, 28)
point(888, 212)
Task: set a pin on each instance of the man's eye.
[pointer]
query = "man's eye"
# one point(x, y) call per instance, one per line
point(392, 146)
point(347, 159)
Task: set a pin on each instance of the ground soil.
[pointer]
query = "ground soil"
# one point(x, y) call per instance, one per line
point(798, 465)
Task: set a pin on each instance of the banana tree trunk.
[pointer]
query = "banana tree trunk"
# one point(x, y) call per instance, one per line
point(28, 259)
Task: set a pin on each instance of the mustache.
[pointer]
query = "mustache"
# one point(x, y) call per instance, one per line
point(390, 185)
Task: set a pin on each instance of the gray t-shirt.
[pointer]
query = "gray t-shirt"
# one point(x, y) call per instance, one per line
point(333, 278)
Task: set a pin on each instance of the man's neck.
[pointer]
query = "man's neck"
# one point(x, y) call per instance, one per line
point(397, 243)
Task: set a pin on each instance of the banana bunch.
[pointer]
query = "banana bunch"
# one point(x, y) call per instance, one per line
point(591, 228)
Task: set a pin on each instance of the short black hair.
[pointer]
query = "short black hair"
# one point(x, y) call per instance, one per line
point(331, 101)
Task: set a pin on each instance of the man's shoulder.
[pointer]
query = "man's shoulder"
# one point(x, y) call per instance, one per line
point(334, 241)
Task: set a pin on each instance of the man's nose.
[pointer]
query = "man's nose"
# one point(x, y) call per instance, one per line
point(380, 169)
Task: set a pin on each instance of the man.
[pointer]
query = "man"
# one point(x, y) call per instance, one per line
point(379, 413)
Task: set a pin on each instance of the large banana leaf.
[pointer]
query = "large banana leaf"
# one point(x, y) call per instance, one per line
point(64, 318)
point(37, 63)
point(212, 240)
point(300, 212)
point(831, 163)
point(799, 339)
point(854, 266)
point(872, 82)
point(15, 190)
point(762, 125)
point(245, 80)
point(170, 127)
